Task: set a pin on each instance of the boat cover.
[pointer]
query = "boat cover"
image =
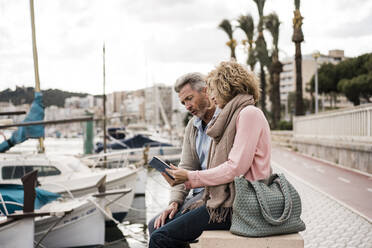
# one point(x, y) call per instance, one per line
point(23, 133)
point(14, 193)
point(136, 141)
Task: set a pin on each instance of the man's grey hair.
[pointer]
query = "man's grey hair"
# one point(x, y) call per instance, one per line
point(195, 79)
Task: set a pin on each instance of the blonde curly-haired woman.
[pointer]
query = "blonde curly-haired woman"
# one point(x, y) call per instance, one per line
point(241, 146)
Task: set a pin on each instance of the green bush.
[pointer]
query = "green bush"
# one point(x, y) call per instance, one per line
point(285, 125)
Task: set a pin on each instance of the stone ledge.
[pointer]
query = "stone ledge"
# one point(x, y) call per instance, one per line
point(195, 245)
point(223, 239)
point(353, 145)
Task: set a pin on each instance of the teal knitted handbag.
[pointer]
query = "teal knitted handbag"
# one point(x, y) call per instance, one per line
point(264, 208)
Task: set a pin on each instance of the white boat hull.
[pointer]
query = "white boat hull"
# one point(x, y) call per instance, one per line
point(141, 182)
point(84, 226)
point(121, 207)
point(116, 179)
point(10, 234)
point(71, 176)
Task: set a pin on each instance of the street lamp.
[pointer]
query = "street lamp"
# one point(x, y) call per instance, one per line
point(316, 55)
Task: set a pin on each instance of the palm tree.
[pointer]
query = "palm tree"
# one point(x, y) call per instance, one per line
point(272, 24)
point(225, 25)
point(247, 25)
point(261, 52)
point(297, 38)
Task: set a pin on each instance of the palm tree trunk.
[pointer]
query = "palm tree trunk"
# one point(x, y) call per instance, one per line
point(263, 89)
point(232, 52)
point(275, 70)
point(299, 98)
point(276, 99)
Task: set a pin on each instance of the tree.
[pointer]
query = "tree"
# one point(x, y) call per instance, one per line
point(272, 24)
point(350, 77)
point(261, 52)
point(350, 91)
point(297, 38)
point(328, 79)
point(364, 82)
point(353, 67)
point(225, 25)
point(357, 87)
point(246, 24)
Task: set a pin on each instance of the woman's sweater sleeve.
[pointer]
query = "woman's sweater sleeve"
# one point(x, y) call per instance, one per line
point(248, 130)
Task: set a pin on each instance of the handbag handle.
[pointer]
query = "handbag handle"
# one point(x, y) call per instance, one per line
point(282, 182)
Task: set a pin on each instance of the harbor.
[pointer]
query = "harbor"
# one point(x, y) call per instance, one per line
point(243, 124)
point(146, 202)
point(330, 222)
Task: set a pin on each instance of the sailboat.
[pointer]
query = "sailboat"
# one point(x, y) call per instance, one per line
point(11, 225)
point(60, 174)
point(64, 222)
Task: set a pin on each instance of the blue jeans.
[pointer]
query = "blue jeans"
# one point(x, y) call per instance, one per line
point(186, 204)
point(178, 232)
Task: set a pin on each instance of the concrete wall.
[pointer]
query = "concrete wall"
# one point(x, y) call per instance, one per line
point(347, 153)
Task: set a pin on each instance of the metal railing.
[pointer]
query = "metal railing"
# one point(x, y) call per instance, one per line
point(350, 124)
point(123, 158)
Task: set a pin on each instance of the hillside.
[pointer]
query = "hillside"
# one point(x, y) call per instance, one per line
point(22, 95)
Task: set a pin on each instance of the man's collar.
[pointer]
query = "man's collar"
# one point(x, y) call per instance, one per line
point(216, 112)
point(198, 121)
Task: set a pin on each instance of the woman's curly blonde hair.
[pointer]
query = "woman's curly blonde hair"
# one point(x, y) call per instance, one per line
point(230, 79)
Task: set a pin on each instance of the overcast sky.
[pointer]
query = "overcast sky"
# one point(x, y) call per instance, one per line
point(155, 41)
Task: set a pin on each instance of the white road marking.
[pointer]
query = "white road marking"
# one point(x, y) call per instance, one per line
point(306, 165)
point(319, 170)
point(343, 180)
point(318, 189)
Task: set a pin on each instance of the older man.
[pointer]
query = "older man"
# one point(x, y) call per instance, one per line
point(192, 93)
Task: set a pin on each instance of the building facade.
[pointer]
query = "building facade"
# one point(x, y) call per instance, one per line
point(288, 76)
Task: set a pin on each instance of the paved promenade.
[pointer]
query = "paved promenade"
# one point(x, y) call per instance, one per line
point(352, 188)
point(328, 223)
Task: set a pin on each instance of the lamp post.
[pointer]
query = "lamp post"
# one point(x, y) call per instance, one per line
point(316, 55)
point(286, 109)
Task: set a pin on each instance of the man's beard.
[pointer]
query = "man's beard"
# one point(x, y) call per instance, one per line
point(204, 107)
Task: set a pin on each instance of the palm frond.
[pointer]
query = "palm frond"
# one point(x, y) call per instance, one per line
point(225, 25)
point(297, 4)
point(252, 58)
point(246, 24)
point(260, 6)
point(272, 24)
point(261, 51)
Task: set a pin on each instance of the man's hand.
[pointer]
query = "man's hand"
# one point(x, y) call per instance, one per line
point(169, 212)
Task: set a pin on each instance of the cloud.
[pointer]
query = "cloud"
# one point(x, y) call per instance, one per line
point(350, 6)
point(177, 13)
point(192, 45)
point(154, 40)
point(5, 37)
point(73, 6)
point(182, 31)
point(358, 28)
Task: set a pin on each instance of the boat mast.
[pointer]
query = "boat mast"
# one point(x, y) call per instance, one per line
point(36, 65)
point(104, 102)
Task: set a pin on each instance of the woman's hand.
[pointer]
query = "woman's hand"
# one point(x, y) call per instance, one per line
point(179, 174)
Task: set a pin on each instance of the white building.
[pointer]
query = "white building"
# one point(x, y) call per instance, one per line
point(288, 76)
point(80, 102)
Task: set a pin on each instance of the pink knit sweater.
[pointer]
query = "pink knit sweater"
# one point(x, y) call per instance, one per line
point(249, 156)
